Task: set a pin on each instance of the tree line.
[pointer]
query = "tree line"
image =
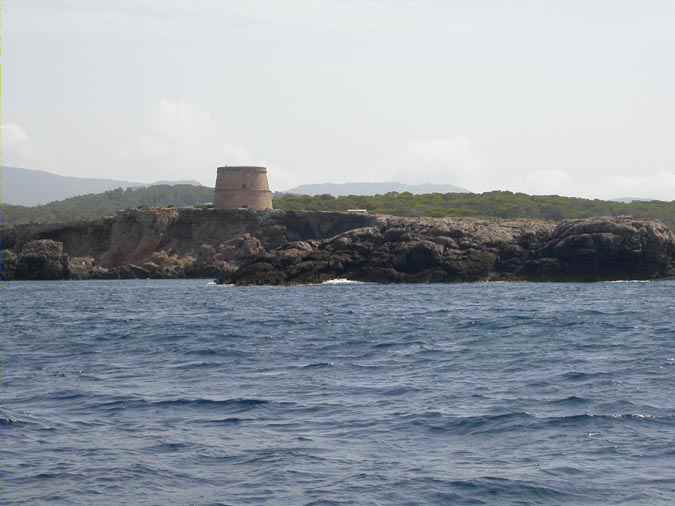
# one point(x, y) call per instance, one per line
point(99, 205)
point(496, 204)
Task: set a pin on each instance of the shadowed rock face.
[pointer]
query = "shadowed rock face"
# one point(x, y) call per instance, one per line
point(276, 247)
point(620, 248)
point(444, 250)
point(170, 243)
point(43, 259)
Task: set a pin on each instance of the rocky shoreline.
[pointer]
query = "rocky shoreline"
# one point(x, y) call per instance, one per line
point(277, 247)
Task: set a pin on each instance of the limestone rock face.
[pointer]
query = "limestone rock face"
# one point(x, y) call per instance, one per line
point(417, 256)
point(250, 247)
point(402, 250)
point(617, 248)
point(285, 247)
point(258, 273)
point(136, 235)
point(442, 250)
point(42, 259)
point(81, 267)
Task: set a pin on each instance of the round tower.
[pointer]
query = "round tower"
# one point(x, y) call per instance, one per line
point(238, 187)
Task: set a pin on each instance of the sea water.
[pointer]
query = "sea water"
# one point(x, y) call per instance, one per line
point(184, 392)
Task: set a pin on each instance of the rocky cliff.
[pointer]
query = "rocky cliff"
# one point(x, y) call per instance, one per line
point(168, 242)
point(277, 247)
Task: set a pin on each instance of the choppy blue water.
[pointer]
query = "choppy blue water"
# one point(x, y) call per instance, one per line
point(179, 392)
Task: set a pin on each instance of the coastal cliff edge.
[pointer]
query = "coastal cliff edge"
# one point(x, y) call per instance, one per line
point(285, 247)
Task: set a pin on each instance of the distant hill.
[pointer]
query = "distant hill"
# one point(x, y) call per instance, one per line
point(499, 204)
point(28, 187)
point(343, 189)
point(86, 207)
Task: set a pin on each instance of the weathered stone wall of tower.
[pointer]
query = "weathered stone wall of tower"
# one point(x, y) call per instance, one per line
point(238, 187)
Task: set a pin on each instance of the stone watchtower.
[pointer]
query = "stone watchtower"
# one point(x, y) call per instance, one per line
point(238, 187)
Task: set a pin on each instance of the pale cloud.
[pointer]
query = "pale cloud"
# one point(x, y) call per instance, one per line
point(180, 140)
point(659, 185)
point(335, 93)
point(450, 160)
point(456, 151)
point(13, 135)
point(182, 121)
point(177, 129)
point(154, 146)
point(280, 177)
point(236, 155)
point(16, 146)
point(546, 182)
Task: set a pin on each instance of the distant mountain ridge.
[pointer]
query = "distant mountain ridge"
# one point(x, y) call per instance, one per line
point(29, 187)
point(344, 189)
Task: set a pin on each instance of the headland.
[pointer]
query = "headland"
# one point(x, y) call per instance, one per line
point(244, 246)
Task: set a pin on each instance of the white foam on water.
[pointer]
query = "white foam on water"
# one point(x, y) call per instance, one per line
point(342, 281)
point(643, 417)
point(213, 283)
point(631, 281)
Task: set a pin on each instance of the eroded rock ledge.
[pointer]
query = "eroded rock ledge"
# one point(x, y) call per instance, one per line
point(276, 247)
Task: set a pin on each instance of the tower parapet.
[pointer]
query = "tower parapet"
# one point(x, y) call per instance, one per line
point(242, 187)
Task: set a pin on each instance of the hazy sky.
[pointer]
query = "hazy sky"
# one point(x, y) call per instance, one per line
point(569, 97)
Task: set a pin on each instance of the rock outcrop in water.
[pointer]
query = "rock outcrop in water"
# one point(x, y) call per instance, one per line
point(446, 250)
point(277, 247)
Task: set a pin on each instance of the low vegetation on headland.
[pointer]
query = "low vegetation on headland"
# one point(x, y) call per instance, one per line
point(99, 205)
point(496, 204)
